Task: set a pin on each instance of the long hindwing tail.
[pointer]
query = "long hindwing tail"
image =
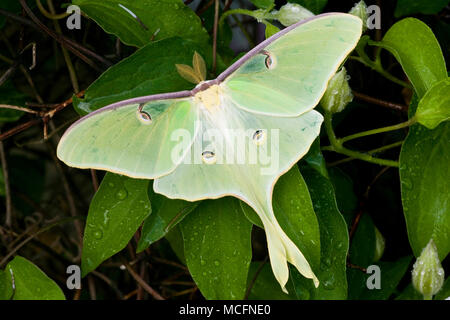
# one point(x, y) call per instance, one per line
point(242, 154)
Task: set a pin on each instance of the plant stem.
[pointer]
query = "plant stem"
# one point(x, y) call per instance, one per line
point(378, 68)
point(378, 130)
point(336, 146)
point(49, 15)
point(371, 152)
point(70, 67)
point(235, 11)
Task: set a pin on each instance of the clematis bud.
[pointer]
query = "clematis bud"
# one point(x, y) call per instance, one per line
point(291, 13)
point(428, 274)
point(360, 10)
point(338, 93)
point(380, 244)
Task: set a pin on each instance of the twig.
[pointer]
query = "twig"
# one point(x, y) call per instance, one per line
point(205, 7)
point(91, 286)
point(51, 15)
point(7, 106)
point(379, 102)
point(33, 122)
point(68, 193)
point(227, 5)
point(19, 128)
point(94, 180)
point(8, 220)
point(8, 73)
point(69, 44)
point(70, 67)
point(354, 266)
point(29, 238)
point(141, 282)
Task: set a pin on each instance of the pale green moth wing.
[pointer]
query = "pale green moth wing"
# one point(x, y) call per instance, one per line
point(243, 154)
point(126, 140)
point(289, 75)
point(265, 99)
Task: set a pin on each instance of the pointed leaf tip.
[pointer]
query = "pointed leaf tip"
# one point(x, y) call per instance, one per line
point(188, 73)
point(199, 66)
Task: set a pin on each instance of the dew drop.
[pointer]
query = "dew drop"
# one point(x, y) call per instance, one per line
point(329, 283)
point(216, 263)
point(209, 157)
point(122, 194)
point(202, 262)
point(98, 234)
point(259, 137)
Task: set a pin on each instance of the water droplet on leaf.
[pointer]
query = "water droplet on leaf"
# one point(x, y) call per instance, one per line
point(98, 234)
point(121, 194)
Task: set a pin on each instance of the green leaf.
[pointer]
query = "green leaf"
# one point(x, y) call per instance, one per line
point(391, 274)
point(444, 293)
point(345, 194)
point(166, 214)
point(434, 107)
point(116, 212)
point(315, 6)
point(217, 248)
point(414, 45)
point(315, 159)
point(333, 238)
point(424, 176)
point(150, 70)
point(156, 20)
point(265, 286)
point(175, 239)
point(6, 291)
point(294, 211)
point(31, 283)
point(409, 293)
point(9, 95)
point(270, 30)
point(362, 253)
point(263, 4)
point(409, 7)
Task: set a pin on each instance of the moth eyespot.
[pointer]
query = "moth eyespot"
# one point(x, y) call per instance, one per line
point(209, 157)
point(269, 61)
point(144, 116)
point(259, 137)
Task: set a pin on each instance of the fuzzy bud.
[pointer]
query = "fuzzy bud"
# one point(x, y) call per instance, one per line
point(291, 13)
point(338, 93)
point(360, 10)
point(428, 274)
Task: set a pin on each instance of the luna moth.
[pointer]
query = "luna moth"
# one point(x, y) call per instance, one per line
point(268, 96)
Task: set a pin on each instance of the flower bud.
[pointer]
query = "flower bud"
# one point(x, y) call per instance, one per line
point(360, 10)
point(291, 13)
point(380, 244)
point(338, 93)
point(428, 274)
